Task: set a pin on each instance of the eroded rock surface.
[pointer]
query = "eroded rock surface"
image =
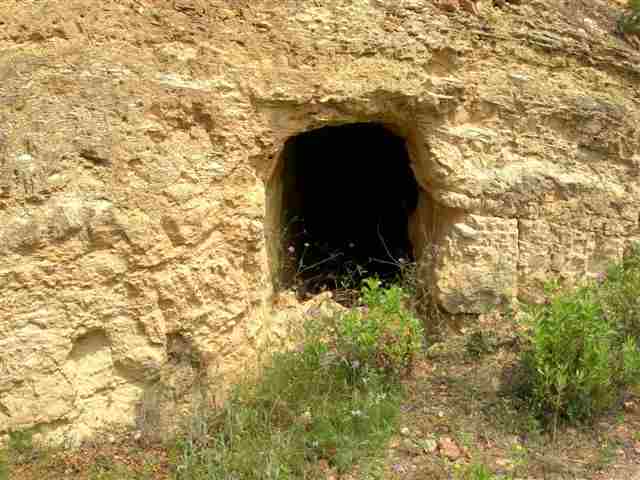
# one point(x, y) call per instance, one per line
point(139, 144)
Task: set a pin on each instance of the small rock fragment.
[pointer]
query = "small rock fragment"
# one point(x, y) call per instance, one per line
point(449, 449)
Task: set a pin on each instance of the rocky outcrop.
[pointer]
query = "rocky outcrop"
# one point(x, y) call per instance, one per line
point(139, 148)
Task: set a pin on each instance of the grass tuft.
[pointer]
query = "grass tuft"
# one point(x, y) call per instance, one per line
point(330, 405)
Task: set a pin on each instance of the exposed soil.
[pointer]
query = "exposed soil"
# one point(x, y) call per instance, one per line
point(457, 414)
point(463, 396)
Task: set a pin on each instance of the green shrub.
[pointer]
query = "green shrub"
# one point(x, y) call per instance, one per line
point(480, 343)
point(619, 290)
point(476, 471)
point(571, 357)
point(382, 335)
point(21, 448)
point(583, 346)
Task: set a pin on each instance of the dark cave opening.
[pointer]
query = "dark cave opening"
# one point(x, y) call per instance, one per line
point(347, 194)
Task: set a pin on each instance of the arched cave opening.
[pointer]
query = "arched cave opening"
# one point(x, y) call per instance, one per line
point(345, 195)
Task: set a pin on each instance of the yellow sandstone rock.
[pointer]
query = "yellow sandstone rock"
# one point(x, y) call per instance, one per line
point(141, 176)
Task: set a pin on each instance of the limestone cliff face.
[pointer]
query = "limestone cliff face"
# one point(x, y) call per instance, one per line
point(139, 147)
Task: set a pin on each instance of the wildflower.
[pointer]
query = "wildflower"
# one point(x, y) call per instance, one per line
point(314, 312)
point(355, 364)
point(351, 244)
point(306, 244)
point(356, 413)
point(291, 249)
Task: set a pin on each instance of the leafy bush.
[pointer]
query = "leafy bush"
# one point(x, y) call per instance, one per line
point(619, 290)
point(584, 346)
point(383, 335)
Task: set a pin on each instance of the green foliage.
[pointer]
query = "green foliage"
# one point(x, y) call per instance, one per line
point(583, 346)
point(571, 356)
point(619, 295)
point(308, 408)
point(629, 21)
point(21, 441)
point(20, 447)
point(477, 471)
point(383, 335)
point(480, 343)
point(20, 450)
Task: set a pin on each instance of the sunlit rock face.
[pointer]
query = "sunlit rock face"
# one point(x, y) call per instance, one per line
point(144, 186)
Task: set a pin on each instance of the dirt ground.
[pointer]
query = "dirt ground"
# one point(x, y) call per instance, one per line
point(457, 416)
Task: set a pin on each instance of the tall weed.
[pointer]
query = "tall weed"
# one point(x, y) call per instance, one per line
point(383, 335)
point(583, 346)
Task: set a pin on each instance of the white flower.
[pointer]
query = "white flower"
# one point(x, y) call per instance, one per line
point(291, 249)
point(356, 413)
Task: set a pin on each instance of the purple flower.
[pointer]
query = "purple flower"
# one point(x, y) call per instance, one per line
point(314, 312)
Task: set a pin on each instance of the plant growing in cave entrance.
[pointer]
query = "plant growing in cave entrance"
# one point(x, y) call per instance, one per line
point(332, 402)
point(382, 335)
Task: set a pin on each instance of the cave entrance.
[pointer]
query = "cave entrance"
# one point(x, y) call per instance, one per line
point(343, 196)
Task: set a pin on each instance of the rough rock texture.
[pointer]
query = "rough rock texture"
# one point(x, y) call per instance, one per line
point(139, 146)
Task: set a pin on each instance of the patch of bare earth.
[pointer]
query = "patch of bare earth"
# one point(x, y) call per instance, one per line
point(122, 458)
point(459, 413)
